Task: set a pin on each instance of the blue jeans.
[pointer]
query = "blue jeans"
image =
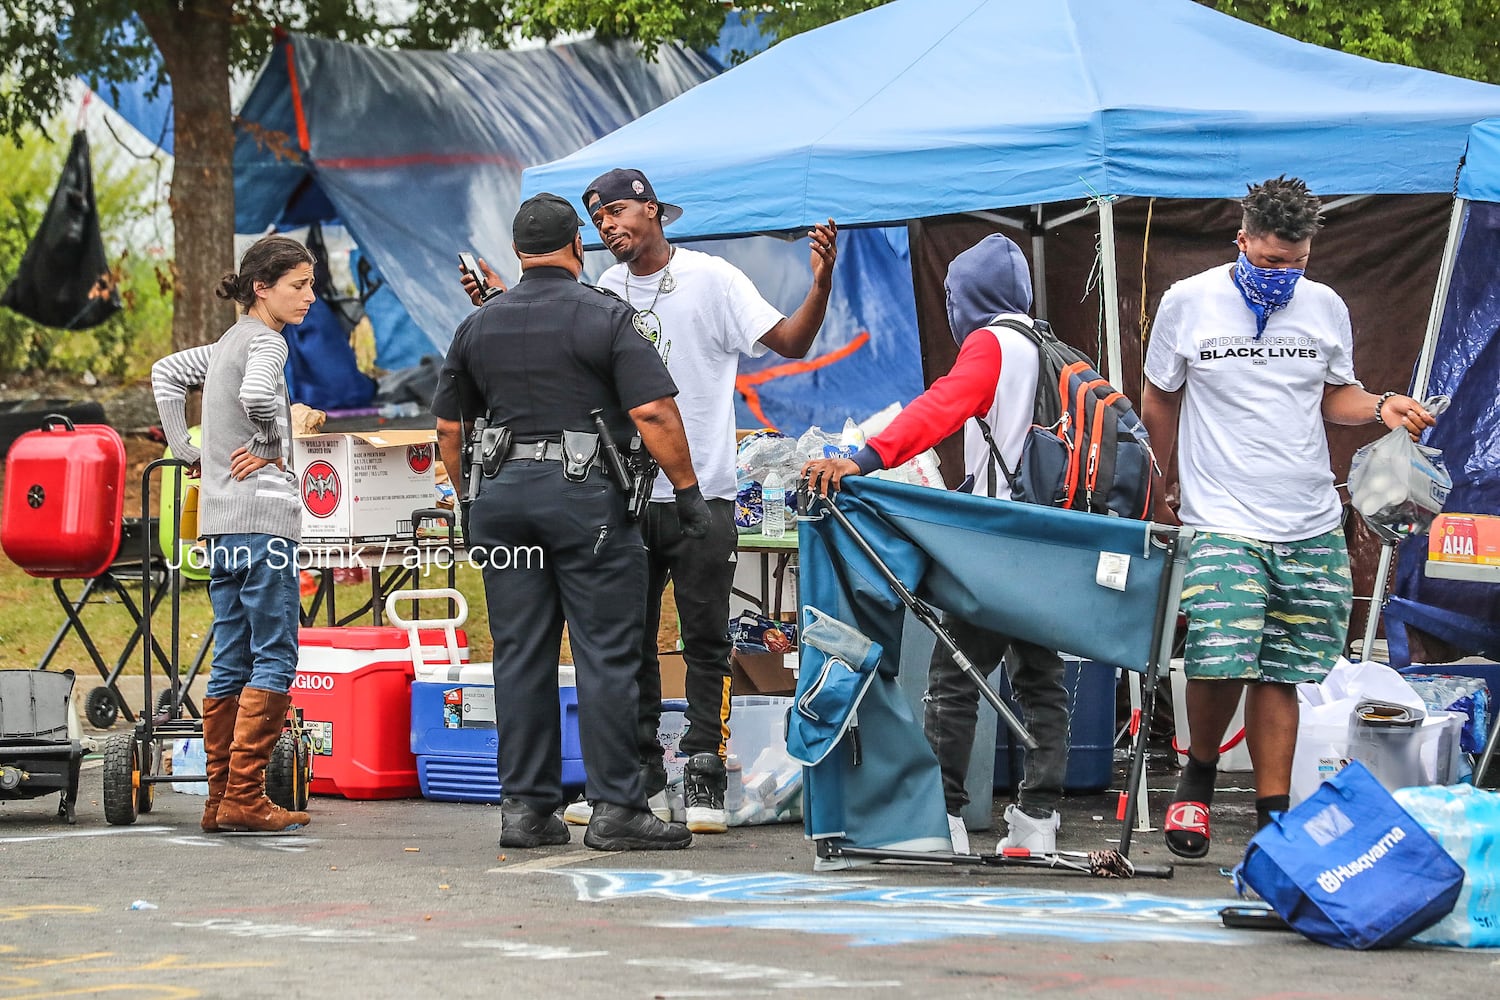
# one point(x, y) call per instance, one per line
point(253, 587)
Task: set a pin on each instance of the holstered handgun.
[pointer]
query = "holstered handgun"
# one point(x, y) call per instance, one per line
point(643, 470)
point(472, 453)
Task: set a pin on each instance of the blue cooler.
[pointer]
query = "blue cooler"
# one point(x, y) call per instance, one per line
point(453, 732)
point(1091, 750)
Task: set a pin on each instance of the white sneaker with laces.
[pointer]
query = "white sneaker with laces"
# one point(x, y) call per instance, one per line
point(958, 834)
point(579, 813)
point(1027, 833)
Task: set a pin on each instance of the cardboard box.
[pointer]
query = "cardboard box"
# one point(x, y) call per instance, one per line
point(762, 673)
point(363, 487)
point(1465, 538)
point(673, 675)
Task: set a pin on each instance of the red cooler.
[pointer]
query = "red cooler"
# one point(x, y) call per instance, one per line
point(354, 688)
point(64, 498)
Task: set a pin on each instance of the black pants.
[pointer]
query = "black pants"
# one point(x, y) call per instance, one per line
point(1036, 677)
point(554, 551)
point(702, 573)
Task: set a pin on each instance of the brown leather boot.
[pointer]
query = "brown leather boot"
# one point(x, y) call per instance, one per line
point(256, 729)
point(218, 736)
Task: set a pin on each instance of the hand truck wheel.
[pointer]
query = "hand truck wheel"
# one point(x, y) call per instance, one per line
point(149, 755)
point(100, 708)
point(122, 778)
point(289, 772)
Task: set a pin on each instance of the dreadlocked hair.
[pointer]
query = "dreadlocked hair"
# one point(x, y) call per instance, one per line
point(1284, 207)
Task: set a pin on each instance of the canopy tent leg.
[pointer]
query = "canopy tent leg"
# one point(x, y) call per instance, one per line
point(1439, 299)
point(1038, 263)
point(1109, 288)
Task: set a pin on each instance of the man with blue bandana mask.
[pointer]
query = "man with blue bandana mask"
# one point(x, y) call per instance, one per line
point(1245, 364)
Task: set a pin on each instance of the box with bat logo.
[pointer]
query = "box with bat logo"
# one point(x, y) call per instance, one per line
point(363, 487)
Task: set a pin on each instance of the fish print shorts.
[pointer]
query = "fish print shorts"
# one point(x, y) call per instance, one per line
point(1266, 611)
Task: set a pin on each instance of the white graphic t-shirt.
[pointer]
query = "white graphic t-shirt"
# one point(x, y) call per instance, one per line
point(1252, 450)
point(710, 316)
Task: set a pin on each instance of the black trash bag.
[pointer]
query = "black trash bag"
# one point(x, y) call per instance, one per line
point(64, 278)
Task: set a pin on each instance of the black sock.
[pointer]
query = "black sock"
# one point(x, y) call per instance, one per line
point(1197, 781)
point(1268, 805)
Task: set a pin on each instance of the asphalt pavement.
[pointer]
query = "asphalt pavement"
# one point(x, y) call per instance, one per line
point(408, 897)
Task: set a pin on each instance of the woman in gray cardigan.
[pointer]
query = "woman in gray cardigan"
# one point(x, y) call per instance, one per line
point(250, 515)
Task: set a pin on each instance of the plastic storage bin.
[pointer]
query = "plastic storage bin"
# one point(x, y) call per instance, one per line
point(453, 734)
point(756, 721)
point(1091, 704)
point(354, 688)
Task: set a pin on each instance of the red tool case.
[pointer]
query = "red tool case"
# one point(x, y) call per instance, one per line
point(64, 499)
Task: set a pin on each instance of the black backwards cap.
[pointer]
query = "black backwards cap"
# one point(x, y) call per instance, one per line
point(625, 184)
point(544, 223)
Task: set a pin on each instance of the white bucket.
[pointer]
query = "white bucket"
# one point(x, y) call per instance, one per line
point(1234, 755)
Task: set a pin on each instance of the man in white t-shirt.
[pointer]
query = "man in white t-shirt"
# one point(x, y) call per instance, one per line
point(1245, 364)
point(702, 313)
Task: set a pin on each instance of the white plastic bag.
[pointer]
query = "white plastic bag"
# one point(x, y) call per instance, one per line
point(1397, 485)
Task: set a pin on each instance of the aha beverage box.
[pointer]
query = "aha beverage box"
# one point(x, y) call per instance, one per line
point(1465, 538)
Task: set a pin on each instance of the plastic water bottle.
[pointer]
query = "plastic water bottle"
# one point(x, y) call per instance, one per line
point(1466, 822)
point(734, 789)
point(398, 411)
point(773, 506)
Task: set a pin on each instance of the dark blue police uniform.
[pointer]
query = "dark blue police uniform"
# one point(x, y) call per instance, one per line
point(538, 360)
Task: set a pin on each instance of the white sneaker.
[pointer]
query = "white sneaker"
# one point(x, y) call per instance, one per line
point(958, 834)
point(1027, 833)
point(579, 813)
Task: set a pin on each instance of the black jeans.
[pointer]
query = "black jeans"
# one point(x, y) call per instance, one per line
point(702, 573)
point(554, 551)
point(952, 709)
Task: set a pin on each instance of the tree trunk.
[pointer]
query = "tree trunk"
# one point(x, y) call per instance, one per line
point(194, 43)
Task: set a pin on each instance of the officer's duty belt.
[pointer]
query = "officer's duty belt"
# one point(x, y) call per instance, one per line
point(538, 451)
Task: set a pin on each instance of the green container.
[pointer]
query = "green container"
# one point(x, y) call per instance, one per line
point(192, 567)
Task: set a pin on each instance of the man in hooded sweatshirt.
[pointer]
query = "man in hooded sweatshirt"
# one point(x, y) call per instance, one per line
point(994, 379)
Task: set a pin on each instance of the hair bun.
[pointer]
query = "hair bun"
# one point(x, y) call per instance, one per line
point(229, 286)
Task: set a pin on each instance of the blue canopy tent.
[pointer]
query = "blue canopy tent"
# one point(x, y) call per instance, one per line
point(1461, 360)
point(925, 108)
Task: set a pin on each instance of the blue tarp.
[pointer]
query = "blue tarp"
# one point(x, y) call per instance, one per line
point(1466, 367)
point(921, 108)
point(420, 154)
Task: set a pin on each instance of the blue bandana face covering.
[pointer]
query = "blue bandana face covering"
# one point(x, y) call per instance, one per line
point(1266, 290)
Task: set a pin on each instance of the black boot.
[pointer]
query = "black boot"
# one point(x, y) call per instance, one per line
point(618, 828)
point(523, 826)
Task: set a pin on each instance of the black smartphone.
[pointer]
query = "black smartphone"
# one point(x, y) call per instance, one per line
point(1255, 918)
point(470, 266)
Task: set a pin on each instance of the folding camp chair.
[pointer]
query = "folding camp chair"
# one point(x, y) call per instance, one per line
point(138, 560)
point(1101, 587)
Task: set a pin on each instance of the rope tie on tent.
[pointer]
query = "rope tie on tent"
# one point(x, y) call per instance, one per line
point(747, 383)
point(1145, 319)
point(1096, 270)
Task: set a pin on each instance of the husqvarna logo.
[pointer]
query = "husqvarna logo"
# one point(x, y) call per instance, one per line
point(419, 458)
point(320, 489)
point(313, 682)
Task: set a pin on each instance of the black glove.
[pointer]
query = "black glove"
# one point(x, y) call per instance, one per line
point(463, 523)
point(692, 512)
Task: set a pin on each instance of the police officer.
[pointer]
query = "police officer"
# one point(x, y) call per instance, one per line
point(550, 529)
